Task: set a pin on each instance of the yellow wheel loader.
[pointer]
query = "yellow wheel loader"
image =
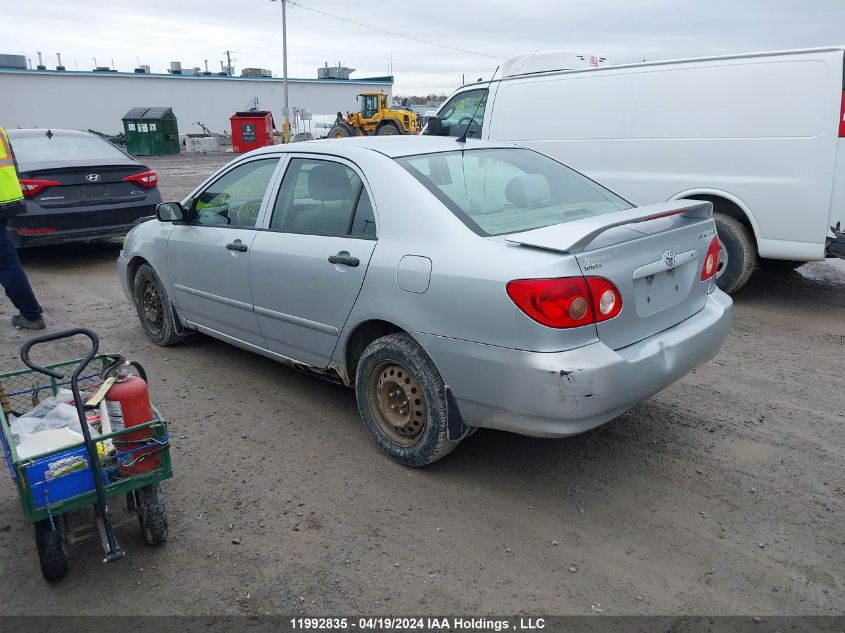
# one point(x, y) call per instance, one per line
point(375, 117)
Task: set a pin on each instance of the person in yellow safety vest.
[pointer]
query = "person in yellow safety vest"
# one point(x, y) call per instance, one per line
point(12, 276)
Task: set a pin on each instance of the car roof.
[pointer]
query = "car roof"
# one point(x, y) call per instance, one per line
point(23, 132)
point(390, 146)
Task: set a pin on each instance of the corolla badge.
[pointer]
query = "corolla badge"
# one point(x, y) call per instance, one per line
point(669, 258)
point(93, 177)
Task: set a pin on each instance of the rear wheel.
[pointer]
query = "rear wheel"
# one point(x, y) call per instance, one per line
point(388, 129)
point(737, 253)
point(155, 311)
point(340, 131)
point(402, 401)
point(51, 551)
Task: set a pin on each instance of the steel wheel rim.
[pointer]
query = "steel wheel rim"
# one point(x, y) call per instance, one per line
point(723, 260)
point(151, 305)
point(397, 403)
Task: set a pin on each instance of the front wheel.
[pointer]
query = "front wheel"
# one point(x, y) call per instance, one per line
point(155, 311)
point(340, 131)
point(152, 514)
point(51, 551)
point(402, 401)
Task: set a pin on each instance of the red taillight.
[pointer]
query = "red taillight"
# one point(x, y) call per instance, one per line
point(31, 186)
point(145, 178)
point(842, 117)
point(711, 260)
point(607, 302)
point(567, 301)
point(35, 231)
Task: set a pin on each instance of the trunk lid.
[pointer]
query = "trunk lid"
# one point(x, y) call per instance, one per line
point(653, 255)
point(87, 186)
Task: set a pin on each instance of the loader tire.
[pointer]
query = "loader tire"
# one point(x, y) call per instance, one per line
point(388, 130)
point(340, 131)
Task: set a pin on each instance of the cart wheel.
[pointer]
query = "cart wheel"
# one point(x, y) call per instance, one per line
point(51, 551)
point(152, 514)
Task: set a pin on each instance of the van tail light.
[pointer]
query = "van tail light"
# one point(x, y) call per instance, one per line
point(147, 179)
point(566, 302)
point(842, 117)
point(711, 260)
point(32, 186)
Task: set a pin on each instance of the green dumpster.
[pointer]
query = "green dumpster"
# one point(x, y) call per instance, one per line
point(151, 131)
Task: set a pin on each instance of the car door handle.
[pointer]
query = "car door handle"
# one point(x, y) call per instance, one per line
point(346, 260)
point(237, 245)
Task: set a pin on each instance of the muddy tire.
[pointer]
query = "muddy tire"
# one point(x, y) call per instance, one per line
point(388, 130)
point(340, 131)
point(155, 310)
point(152, 514)
point(402, 401)
point(738, 248)
point(779, 265)
point(51, 551)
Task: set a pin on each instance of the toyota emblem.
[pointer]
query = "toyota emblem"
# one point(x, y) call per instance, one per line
point(669, 258)
point(93, 177)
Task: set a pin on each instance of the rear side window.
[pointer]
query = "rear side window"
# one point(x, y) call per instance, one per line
point(41, 148)
point(501, 191)
point(321, 197)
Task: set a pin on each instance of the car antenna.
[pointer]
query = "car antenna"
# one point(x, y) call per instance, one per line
point(463, 137)
point(49, 134)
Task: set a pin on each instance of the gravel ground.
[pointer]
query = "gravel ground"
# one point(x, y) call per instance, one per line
point(721, 495)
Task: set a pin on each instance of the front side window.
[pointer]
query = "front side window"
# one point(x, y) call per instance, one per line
point(235, 199)
point(501, 191)
point(464, 111)
point(320, 197)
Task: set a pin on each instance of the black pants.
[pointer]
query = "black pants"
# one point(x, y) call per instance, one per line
point(13, 278)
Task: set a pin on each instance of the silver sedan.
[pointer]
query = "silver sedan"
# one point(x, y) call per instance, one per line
point(454, 285)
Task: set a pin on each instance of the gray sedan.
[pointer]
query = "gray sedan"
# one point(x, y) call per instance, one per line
point(453, 285)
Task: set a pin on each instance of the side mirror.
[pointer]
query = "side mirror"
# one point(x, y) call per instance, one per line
point(170, 212)
point(432, 127)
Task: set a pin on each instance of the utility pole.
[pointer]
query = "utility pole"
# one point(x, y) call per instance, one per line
point(286, 109)
point(228, 62)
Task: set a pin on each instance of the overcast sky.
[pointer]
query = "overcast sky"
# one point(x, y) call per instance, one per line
point(156, 32)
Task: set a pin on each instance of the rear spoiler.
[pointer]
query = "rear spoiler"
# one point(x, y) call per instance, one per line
point(573, 237)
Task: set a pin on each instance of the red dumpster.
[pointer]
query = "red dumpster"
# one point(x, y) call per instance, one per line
point(251, 130)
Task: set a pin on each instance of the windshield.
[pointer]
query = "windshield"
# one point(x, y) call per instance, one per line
point(40, 149)
point(501, 191)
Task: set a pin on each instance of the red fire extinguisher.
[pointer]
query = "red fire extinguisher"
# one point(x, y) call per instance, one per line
point(128, 404)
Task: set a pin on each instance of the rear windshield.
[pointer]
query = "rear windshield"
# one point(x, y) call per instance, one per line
point(41, 149)
point(501, 191)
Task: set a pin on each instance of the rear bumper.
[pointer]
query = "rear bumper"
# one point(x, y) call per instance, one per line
point(77, 224)
point(565, 393)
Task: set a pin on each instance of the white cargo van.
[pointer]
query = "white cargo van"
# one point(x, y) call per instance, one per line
point(762, 136)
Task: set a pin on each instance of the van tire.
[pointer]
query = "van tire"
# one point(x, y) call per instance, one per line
point(402, 352)
point(741, 252)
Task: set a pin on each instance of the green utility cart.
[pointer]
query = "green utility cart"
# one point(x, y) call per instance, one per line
point(64, 490)
point(151, 131)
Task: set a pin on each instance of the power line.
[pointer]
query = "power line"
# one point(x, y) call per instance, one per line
point(375, 28)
